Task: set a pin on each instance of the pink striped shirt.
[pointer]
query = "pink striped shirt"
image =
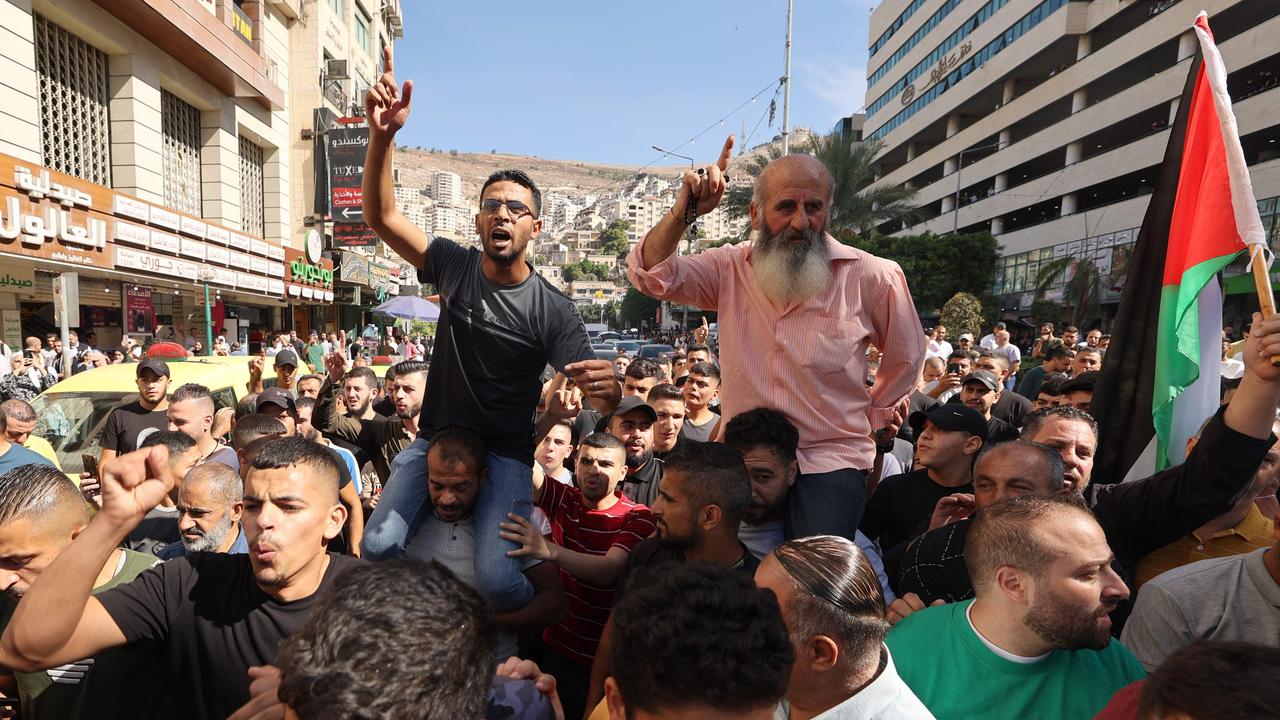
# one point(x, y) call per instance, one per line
point(807, 361)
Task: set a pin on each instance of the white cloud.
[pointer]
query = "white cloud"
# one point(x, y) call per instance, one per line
point(840, 86)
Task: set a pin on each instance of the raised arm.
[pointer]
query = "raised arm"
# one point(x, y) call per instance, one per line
point(58, 620)
point(387, 109)
point(706, 187)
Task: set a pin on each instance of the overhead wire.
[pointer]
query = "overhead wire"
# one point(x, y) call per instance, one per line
point(775, 85)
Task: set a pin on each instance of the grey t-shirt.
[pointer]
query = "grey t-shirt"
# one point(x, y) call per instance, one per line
point(1231, 598)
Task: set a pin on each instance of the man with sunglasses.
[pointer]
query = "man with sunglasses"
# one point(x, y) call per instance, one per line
point(500, 325)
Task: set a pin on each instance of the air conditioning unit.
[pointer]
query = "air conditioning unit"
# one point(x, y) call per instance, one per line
point(357, 108)
point(336, 70)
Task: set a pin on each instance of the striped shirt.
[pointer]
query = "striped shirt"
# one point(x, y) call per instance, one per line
point(806, 361)
point(592, 532)
point(1253, 532)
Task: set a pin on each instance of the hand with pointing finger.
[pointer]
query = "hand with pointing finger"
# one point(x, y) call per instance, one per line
point(704, 187)
point(386, 107)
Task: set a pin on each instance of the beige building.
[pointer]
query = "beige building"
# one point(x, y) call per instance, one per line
point(1045, 121)
point(164, 123)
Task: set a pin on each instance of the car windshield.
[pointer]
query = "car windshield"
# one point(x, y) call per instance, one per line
point(630, 346)
point(653, 351)
point(72, 422)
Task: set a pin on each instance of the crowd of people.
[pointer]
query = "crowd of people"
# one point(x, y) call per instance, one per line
point(832, 514)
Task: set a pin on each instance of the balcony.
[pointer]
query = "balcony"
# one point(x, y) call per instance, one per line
point(227, 54)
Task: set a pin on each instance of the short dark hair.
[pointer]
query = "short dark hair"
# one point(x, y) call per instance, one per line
point(32, 491)
point(671, 614)
point(369, 377)
point(997, 357)
point(19, 410)
point(520, 178)
point(193, 391)
point(1054, 466)
point(838, 595)
point(1219, 680)
point(285, 452)
point(425, 641)
point(304, 402)
point(642, 369)
point(602, 441)
point(248, 405)
point(1087, 350)
point(1084, 382)
point(311, 376)
point(665, 391)
point(177, 442)
point(408, 367)
point(697, 347)
point(705, 369)
point(764, 427)
point(1066, 412)
point(1006, 533)
point(1071, 328)
point(254, 426)
point(1057, 352)
point(1052, 384)
point(960, 355)
point(457, 444)
point(714, 474)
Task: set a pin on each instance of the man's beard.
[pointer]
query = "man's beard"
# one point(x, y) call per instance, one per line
point(680, 543)
point(358, 411)
point(209, 541)
point(510, 255)
point(1067, 627)
point(789, 271)
point(759, 514)
point(312, 435)
point(409, 413)
point(639, 460)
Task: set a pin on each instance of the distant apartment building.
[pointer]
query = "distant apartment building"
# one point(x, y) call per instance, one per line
point(595, 292)
point(1045, 121)
point(446, 188)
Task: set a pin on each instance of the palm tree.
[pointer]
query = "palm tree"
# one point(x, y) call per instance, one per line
point(1082, 292)
point(859, 204)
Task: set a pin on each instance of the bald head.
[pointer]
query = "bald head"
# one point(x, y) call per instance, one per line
point(790, 170)
point(220, 482)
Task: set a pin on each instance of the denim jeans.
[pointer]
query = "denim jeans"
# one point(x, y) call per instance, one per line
point(829, 503)
point(405, 502)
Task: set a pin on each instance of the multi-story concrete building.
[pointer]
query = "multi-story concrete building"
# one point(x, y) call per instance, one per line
point(160, 128)
point(1045, 121)
point(335, 54)
point(446, 188)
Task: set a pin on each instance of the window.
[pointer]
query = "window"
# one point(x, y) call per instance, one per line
point(337, 6)
point(180, 127)
point(363, 36)
point(252, 202)
point(74, 126)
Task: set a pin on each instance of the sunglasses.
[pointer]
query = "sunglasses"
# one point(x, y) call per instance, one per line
point(515, 208)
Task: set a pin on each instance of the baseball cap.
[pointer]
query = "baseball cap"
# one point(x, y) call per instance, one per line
point(633, 403)
point(966, 336)
point(287, 357)
point(990, 381)
point(155, 365)
point(950, 417)
point(275, 396)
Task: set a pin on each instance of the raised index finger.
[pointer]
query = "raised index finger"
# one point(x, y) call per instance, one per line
point(726, 154)
point(387, 59)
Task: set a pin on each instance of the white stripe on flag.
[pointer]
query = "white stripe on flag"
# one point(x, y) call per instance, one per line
point(1195, 404)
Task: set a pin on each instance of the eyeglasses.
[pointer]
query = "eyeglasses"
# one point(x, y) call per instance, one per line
point(515, 208)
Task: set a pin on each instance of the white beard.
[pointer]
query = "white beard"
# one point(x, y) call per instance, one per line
point(784, 274)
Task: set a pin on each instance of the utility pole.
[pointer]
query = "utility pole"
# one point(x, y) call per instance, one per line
point(786, 85)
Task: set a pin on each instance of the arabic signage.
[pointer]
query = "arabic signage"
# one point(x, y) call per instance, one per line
point(51, 216)
point(354, 269)
point(305, 280)
point(11, 327)
point(344, 152)
point(138, 310)
point(941, 70)
point(17, 279)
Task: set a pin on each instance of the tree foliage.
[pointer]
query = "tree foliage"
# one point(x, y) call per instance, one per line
point(937, 267)
point(613, 239)
point(585, 270)
point(962, 314)
point(1081, 290)
point(637, 308)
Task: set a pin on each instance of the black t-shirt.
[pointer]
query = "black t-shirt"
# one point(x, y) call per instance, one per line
point(999, 431)
point(642, 485)
point(214, 623)
point(128, 425)
point(492, 342)
point(384, 407)
point(901, 506)
point(159, 527)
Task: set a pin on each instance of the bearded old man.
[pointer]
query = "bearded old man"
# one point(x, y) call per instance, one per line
point(797, 311)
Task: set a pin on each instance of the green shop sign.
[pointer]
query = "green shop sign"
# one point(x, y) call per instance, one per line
point(305, 273)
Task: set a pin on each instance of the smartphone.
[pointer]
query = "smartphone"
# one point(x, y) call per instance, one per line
point(953, 369)
point(90, 464)
point(29, 354)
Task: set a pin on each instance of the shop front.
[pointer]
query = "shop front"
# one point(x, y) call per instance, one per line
point(140, 269)
point(307, 277)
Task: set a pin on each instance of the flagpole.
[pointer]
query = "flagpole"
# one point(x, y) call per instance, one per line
point(1266, 298)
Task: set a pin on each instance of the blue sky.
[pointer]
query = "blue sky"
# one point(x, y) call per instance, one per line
point(603, 81)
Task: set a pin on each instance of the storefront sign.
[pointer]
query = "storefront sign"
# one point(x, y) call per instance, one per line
point(11, 327)
point(164, 242)
point(354, 235)
point(252, 282)
point(130, 259)
point(259, 265)
point(217, 255)
point(193, 249)
point(355, 269)
point(257, 247)
point(138, 310)
point(192, 227)
point(17, 279)
point(223, 276)
point(40, 227)
point(345, 150)
point(308, 280)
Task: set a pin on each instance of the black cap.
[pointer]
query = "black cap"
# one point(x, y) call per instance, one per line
point(155, 365)
point(982, 376)
point(951, 417)
point(275, 396)
point(634, 403)
point(286, 357)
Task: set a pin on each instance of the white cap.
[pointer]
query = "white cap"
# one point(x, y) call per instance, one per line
point(966, 336)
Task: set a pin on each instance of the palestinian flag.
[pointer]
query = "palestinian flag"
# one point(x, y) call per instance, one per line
point(1161, 379)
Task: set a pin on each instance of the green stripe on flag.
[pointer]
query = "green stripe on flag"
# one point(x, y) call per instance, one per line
point(1177, 358)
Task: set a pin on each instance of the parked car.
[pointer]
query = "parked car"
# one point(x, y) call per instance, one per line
point(631, 346)
point(609, 335)
point(655, 350)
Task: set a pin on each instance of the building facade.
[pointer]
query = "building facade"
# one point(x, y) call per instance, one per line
point(148, 141)
point(1045, 121)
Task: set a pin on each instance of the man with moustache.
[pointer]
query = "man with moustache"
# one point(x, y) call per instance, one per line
point(41, 513)
point(632, 423)
point(210, 502)
point(797, 312)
